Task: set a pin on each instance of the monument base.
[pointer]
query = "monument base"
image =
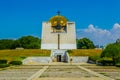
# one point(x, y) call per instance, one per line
point(59, 55)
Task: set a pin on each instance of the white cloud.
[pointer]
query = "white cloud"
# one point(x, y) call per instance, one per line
point(116, 26)
point(90, 28)
point(100, 36)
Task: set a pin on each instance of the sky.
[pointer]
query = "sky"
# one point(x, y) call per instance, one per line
point(98, 20)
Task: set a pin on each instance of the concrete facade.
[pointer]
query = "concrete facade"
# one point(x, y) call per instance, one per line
point(50, 39)
point(36, 60)
point(80, 59)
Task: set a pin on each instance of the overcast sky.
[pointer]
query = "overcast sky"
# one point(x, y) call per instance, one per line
point(98, 20)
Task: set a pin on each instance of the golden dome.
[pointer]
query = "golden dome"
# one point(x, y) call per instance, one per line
point(58, 19)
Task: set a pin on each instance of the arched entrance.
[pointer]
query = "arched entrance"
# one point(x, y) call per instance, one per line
point(58, 58)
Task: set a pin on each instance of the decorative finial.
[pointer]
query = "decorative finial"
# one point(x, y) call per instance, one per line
point(58, 12)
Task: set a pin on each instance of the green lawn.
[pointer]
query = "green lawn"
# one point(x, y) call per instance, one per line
point(21, 54)
point(85, 52)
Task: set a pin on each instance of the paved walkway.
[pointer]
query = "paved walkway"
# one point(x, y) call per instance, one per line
point(57, 71)
point(37, 74)
point(82, 78)
point(53, 71)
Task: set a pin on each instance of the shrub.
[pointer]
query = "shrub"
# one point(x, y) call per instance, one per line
point(16, 63)
point(3, 61)
point(69, 51)
point(105, 62)
point(117, 65)
point(23, 57)
point(94, 58)
point(4, 65)
point(118, 60)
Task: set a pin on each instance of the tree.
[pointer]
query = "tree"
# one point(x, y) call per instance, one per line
point(16, 44)
point(118, 41)
point(111, 51)
point(6, 43)
point(29, 42)
point(85, 43)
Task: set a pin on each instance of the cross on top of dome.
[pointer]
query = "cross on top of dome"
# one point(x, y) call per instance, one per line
point(58, 12)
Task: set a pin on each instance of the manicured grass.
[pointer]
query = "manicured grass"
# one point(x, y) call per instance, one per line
point(85, 52)
point(21, 54)
point(94, 54)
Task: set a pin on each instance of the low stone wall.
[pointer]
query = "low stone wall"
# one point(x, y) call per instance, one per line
point(36, 60)
point(80, 59)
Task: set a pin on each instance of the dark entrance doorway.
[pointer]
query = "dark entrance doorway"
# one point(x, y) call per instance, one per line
point(58, 58)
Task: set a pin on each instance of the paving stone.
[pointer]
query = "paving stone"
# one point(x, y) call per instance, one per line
point(19, 72)
point(65, 71)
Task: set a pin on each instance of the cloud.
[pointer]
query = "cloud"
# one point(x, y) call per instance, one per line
point(116, 26)
point(100, 36)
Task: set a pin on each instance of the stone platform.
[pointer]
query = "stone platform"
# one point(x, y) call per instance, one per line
point(53, 71)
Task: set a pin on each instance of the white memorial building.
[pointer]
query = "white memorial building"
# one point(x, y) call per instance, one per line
point(58, 33)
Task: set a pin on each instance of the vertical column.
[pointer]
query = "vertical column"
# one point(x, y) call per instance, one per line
point(58, 41)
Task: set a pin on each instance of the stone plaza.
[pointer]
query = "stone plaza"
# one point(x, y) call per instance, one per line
point(60, 71)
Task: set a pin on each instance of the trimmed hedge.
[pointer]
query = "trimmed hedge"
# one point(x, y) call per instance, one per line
point(16, 63)
point(94, 58)
point(118, 60)
point(3, 61)
point(117, 65)
point(4, 65)
point(105, 62)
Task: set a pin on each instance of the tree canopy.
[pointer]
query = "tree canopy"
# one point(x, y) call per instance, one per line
point(6, 43)
point(111, 51)
point(26, 42)
point(85, 43)
point(118, 41)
